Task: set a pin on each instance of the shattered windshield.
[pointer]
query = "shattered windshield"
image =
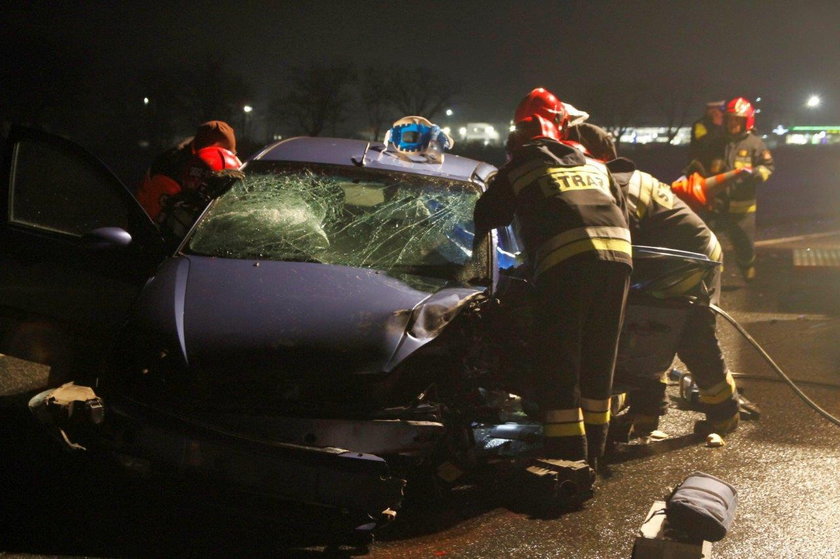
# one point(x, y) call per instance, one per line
point(395, 222)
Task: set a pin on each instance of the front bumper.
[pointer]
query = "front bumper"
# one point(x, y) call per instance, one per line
point(144, 438)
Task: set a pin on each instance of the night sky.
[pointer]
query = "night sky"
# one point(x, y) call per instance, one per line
point(780, 51)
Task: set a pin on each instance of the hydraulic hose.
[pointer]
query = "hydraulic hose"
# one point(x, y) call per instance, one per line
point(775, 367)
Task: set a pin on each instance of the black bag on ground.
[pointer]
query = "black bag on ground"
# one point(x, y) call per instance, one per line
point(702, 507)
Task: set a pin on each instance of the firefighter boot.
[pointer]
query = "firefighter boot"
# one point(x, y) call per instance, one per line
point(724, 425)
point(643, 425)
point(748, 272)
point(722, 418)
point(720, 403)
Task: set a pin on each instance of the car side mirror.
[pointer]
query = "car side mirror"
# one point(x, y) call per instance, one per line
point(106, 238)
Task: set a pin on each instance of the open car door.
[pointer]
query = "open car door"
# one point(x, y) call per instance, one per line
point(75, 250)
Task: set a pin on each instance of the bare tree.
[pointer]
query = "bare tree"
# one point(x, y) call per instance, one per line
point(616, 106)
point(180, 98)
point(676, 103)
point(318, 96)
point(376, 98)
point(209, 90)
point(420, 91)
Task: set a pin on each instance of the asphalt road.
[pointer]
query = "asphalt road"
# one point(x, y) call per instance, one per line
point(784, 467)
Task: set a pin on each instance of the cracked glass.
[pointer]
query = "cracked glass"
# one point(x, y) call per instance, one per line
point(399, 223)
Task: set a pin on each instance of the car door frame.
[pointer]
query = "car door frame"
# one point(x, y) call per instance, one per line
point(29, 249)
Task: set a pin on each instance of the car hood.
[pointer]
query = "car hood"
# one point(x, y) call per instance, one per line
point(297, 316)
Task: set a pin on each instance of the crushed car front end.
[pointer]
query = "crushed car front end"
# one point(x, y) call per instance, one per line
point(309, 330)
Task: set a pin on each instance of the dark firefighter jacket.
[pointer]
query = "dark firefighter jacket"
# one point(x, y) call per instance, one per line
point(744, 150)
point(658, 217)
point(568, 208)
point(705, 137)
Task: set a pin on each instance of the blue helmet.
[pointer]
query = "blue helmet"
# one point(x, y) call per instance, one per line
point(415, 135)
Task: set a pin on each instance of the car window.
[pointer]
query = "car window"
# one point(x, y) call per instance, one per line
point(345, 216)
point(54, 191)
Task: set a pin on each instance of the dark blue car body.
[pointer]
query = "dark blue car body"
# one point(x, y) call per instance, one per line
point(317, 366)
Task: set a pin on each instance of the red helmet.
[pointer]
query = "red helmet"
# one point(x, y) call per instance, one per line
point(742, 108)
point(542, 103)
point(531, 128)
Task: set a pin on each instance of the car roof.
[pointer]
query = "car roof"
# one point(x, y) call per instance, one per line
point(372, 155)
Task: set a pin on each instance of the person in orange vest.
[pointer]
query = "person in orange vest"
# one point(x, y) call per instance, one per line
point(183, 175)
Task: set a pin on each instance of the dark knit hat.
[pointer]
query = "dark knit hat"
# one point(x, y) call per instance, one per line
point(595, 139)
point(214, 132)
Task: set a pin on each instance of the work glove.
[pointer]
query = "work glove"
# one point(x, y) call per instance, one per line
point(217, 182)
point(178, 213)
point(691, 190)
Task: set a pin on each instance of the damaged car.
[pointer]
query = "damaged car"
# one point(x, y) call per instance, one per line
point(325, 331)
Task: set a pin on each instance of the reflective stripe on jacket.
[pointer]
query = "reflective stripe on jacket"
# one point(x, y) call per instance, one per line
point(567, 207)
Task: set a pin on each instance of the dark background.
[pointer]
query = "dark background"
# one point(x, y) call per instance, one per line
point(83, 69)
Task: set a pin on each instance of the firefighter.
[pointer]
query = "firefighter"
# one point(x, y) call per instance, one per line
point(659, 218)
point(572, 219)
point(190, 166)
point(741, 148)
point(706, 133)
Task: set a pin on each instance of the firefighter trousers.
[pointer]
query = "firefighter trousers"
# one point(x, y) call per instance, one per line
point(579, 314)
point(740, 228)
point(700, 351)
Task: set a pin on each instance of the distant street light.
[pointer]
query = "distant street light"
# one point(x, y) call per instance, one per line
point(145, 100)
point(247, 109)
point(449, 112)
point(813, 102)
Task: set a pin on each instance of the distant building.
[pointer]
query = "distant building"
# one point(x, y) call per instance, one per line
point(653, 134)
point(482, 132)
point(809, 135)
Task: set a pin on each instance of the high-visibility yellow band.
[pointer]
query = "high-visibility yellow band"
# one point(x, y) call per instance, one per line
point(563, 416)
point(720, 392)
point(564, 429)
point(554, 179)
point(763, 172)
point(715, 251)
point(742, 206)
point(583, 245)
point(578, 178)
point(685, 285)
point(593, 405)
point(578, 233)
point(526, 169)
point(528, 179)
point(637, 189)
point(596, 418)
